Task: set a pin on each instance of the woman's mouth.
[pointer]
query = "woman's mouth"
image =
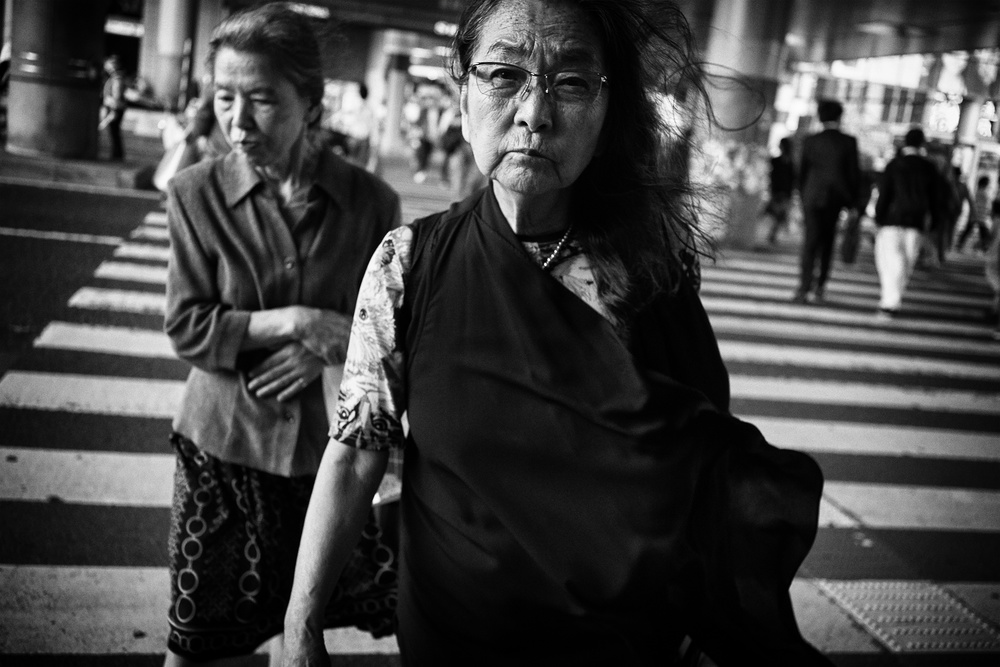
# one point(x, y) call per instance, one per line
point(529, 152)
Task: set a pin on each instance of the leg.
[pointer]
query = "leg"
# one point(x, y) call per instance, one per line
point(970, 225)
point(778, 210)
point(889, 264)
point(911, 241)
point(827, 238)
point(228, 567)
point(115, 130)
point(807, 258)
point(985, 236)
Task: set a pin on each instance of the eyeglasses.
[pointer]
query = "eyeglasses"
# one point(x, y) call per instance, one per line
point(506, 81)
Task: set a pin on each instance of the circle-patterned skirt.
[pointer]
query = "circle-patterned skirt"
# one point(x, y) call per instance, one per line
point(234, 536)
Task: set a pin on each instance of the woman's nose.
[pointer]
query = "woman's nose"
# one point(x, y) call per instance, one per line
point(534, 106)
point(242, 116)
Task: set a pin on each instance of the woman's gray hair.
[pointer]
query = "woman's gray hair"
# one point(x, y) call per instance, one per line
point(281, 34)
point(640, 224)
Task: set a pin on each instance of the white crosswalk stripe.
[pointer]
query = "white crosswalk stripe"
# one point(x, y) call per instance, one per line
point(105, 339)
point(145, 480)
point(862, 394)
point(833, 334)
point(728, 280)
point(789, 355)
point(878, 439)
point(786, 360)
point(140, 273)
point(143, 251)
point(126, 301)
point(94, 394)
point(829, 314)
point(150, 233)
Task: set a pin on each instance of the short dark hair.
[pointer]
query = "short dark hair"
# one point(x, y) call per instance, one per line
point(281, 34)
point(829, 111)
point(634, 198)
point(914, 138)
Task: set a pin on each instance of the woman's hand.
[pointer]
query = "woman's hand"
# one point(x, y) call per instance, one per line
point(303, 646)
point(286, 372)
point(323, 332)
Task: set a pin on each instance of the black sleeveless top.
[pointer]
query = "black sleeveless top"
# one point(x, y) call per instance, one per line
point(568, 499)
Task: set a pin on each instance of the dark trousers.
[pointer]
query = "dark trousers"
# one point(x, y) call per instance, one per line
point(115, 132)
point(820, 234)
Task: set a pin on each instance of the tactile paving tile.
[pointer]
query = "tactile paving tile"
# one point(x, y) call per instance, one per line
point(914, 616)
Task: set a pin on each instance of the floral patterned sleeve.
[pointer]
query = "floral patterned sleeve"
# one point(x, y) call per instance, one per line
point(372, 396)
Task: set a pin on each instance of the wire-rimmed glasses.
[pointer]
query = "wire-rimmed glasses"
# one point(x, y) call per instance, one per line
point(506, 81)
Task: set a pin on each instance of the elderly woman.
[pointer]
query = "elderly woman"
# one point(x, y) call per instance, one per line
point(269, 245)
point(575, 491)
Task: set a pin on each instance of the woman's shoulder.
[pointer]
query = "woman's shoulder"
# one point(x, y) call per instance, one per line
point(361, 181)
point(201, 175)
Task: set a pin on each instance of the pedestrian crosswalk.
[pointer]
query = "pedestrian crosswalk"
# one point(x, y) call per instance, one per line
point(902, 415)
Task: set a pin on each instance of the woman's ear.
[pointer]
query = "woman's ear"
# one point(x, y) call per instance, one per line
point(313, 115)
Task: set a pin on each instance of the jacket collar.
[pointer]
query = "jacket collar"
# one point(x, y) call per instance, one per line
point(239, 178)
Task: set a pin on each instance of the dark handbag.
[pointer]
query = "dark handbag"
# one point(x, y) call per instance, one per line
point(851, 238)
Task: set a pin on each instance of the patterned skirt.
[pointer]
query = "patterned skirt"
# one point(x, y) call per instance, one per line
point(234, 536)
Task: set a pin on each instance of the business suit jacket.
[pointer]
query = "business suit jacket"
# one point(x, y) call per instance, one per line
point(830, 176)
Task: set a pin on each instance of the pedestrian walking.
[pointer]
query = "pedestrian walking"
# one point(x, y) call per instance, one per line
point(268, 246)
point(575, 489)
point(912, 199)
point(451, 144)
point(830, 181)
point(113, 105)
point(959, 201)
point(782, 185)
point(979, 222)
point(421, 116)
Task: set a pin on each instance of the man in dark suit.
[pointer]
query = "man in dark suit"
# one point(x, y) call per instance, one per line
point(830, 177)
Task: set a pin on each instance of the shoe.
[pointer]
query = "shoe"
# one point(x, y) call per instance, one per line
point(799, 297)
point(819, 296)
point(886, 314)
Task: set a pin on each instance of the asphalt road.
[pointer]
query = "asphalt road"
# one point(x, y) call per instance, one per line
point(51, 240)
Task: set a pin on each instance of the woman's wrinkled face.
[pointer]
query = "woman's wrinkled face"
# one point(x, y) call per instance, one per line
point(260, 111)
point(532, 144)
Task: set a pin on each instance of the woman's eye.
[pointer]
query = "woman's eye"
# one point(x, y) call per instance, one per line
point(573, 82)
point(506, 76)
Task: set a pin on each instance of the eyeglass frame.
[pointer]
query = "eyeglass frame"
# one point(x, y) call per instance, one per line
point(604, 81)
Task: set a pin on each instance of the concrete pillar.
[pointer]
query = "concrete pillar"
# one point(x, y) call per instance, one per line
point(746, 52)
point(376, 74)
point(5, 13)
point(209, 14)
point(968, 120)
point(173, 44)
point(395, 87)
point(57, 51)
point(746, 42)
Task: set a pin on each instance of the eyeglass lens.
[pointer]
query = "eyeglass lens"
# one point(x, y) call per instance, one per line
point(507, 81)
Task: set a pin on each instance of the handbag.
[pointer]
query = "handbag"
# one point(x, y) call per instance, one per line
point(851, 238)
